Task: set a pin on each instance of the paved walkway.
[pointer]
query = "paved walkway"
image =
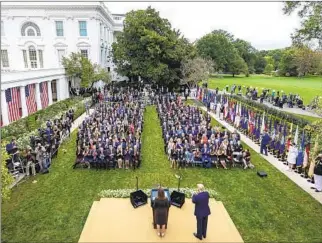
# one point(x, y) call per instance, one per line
point(294, 110)
point(295, 177)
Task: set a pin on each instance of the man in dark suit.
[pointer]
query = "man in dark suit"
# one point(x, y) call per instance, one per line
point(202, 210)
point(264, 143)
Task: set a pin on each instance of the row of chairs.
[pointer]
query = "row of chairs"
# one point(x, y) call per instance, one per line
point(106, 163)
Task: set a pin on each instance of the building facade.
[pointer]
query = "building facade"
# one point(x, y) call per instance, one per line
point(34, 39)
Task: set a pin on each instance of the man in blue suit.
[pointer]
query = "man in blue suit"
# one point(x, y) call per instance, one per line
point(264, 143)
point(202, 210)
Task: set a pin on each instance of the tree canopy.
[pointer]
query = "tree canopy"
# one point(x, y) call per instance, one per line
point(311, 25)
point(81, 67)
point(196, 70)
point(148, 47)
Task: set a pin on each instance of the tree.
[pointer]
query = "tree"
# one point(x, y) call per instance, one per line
point(81, 67)
point(287, 65)
point(304, 60)
point(196, 70)
point(6, 178)
point(247, 52)
point(270, 64)
point(225, 33)
point(318, 63)
point(237, 65)
point(148, 47)
point(101, 74)
point(260, 62)
point(311, 25)
point(276, 54)
point(269, 68)
point(218, 47)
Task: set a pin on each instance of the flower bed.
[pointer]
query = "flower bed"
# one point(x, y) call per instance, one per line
point(125, 193)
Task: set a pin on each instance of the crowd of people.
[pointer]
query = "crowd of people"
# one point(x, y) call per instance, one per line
point(110, 137)
point(190, 139)
point(277, 98)
point(36, 158)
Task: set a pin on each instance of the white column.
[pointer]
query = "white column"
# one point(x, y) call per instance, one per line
point(38, 101)
point(111, 37)
point(23, 101)
point(58, 88)
point(50, 93)
point(4, 108)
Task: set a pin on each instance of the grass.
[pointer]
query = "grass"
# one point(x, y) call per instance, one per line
point(307, 87)
point(56, 207)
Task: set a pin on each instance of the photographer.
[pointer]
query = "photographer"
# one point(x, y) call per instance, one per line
point(318, 173)
point(30, 162)
point(39, 150)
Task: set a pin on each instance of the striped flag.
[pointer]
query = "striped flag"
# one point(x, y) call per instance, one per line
point(43, 94)
point(30, 98)
point(13, 103)
point(300, 157)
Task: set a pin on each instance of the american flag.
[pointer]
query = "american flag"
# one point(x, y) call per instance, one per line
point(43, 94)
point(30, 98)
point(13, 103)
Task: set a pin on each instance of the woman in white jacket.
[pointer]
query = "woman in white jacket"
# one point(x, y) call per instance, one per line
point(291, 157)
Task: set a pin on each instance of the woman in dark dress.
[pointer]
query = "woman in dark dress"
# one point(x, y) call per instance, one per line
point(161, 208)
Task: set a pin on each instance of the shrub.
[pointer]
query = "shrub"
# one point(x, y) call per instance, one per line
point(35, 120)
point(6, 178)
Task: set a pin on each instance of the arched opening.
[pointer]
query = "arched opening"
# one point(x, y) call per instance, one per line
point(30, 29)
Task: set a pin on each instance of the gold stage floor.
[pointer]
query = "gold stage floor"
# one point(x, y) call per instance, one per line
point(115, 220)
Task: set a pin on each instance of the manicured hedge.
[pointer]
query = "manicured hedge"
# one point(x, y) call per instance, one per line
point(34, 121)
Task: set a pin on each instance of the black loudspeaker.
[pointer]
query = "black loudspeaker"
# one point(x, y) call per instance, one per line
point(261, 173)
point(178, 198)
point(138, 198)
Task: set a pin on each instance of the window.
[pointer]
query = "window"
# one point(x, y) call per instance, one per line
point(61, 53)
point(2, 28)
point(108, 69)
point(33, 57)
point(54, 90)
point(25, 59)
point(4, 58)
point(41, 61)
point(59, 28)
point(31, 32)
point(84, 53)
point(30, 25)
point(82, 28)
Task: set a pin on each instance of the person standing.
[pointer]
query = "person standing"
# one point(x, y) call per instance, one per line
point(264, 143)
point(161, 206)
point(291, 157)
point(202, 211)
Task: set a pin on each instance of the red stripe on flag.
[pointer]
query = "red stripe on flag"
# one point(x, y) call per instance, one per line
point(44, 95)
point(14, 104)
point(30, 100)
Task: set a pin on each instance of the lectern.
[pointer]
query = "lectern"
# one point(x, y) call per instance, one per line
point(154, 194)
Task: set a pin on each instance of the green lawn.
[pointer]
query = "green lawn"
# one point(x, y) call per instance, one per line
point(56, 207)
point(307, 87)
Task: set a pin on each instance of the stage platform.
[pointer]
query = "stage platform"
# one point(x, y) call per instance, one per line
point(115, 220)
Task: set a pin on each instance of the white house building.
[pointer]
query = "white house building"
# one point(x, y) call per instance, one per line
point(34, 38)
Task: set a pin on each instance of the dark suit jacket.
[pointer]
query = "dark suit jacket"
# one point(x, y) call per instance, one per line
point(265, 140)
point(201, 202)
